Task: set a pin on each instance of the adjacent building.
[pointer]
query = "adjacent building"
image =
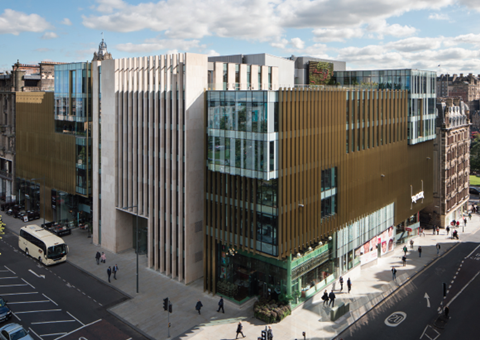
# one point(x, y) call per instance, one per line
point(451, 159)
point(459, 86)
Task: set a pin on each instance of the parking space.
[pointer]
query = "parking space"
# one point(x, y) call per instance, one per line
point(34, 309)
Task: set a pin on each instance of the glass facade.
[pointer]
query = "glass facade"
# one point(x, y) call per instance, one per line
point(421, 86)
point(243, 133)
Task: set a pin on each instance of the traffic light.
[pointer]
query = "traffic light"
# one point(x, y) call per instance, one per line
point(170, 308)
point(165, 304)
point(264, 335)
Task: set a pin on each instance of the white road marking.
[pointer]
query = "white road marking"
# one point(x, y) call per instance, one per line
point(448, 304)
point(474, 250)
point(44, 322)
point(15, 285)
point(10, 277)
point(40, 311)
point(10, 270)
point(17, 303)
point(20, 293)
point(15, 315)
point(75, 318)
point(428, 300)
point(54, 334)
point(28, 283)
point(38, 336)
point(39, 276)
point(91, 323)
point(50, 300)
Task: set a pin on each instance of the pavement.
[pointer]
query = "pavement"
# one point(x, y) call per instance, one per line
point(144, 310)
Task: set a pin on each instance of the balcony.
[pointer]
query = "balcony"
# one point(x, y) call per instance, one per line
point(5, 175)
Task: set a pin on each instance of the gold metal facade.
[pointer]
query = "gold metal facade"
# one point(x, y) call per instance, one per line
point(41, 151)
point(375, 167)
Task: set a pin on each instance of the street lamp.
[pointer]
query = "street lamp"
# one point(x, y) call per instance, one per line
point(44, 203)
point(136, 232)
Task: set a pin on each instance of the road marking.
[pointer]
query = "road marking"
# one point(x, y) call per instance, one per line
point(15, 285)
point(10, 277)
point(40, 311)
point(17, 303)
point(20, 293)
point(15, 315)
point(474, 250)
point(3, 271)
point(53, 334)
point(39, 276)
point(395, 319)
point(38, 336)
point(91, 323)
point(75, 318)
point(10, 270)
point(448, 304)
point(43, 322)
point(50, 299)
point(428, 336)
point(28, 283)
point(428, 300)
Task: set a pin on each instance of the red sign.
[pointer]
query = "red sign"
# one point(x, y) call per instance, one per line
point(408, 229)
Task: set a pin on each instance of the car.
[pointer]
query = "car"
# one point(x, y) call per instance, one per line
point(474, 190)
point(5, 312)
point(33, 215)
point(14, 331)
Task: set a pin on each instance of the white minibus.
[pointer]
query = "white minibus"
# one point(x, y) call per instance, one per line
point(43, 245)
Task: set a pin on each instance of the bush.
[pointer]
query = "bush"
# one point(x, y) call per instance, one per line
point(270, 311)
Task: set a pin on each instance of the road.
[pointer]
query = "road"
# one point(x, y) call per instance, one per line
point(415, 310)
point(55, 301)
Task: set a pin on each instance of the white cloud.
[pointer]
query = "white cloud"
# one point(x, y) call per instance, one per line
point(66, 21)
point(336, 34)
point(439, 16)
point(381, 28)
point(49, 35)
point(13, 22)
point(151, 45)
point(212, 53)
point(415, 44)
point(297, 43)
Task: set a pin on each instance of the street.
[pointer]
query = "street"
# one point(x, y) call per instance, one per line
point(416, 309)
point(54, 301)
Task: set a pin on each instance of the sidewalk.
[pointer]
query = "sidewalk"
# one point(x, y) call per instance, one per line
point(369, 286)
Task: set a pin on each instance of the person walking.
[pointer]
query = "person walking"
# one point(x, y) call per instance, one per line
point(115, 270)
point(239, 330)
point(109, 272)
point(349, 285)
point(269, 333)
point(438, 230)
point(419, 251)
point(411, 243)
point(470, 216)
point(332, 298)
point(341, 283)
point(394, 273)
point(103, 257)
point(220, 305)
point(325, 298)
point(97, 257)
point(405, 249)
point(198, 306)
point(438, 248)
point(465, 222)
point(434, 228)
point(447, 229)
point(404, 260)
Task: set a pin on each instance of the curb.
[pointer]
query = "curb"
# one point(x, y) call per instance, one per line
point(130, 325)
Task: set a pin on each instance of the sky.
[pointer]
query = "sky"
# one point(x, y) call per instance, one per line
point(437, 35)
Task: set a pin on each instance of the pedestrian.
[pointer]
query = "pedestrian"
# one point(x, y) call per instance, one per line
point(470, 216)
point(405, 249)
point(404, 260)
point(269, 333)
point(455, 234)
point(239, 330)
point(447, 229)
point(438, 248)
point(332, 298)
point(115, 270)
point(349, 285)
point(411, 243)
point(438, 230)
point(419, 251)
point(434, 228)
point(465, 222)
point(423, 232)
point(103, 257)
point(420, 232)
point(341, 283)
point(198, 306)
point(394, 273)
point(220, 305)
point(109, 272)
point(97, 257)
point(325, 297)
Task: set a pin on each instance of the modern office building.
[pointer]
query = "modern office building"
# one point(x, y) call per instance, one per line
point(305, 184)
point(421, 95)
point(316, 71)
point(451, 159)
point(152, 113)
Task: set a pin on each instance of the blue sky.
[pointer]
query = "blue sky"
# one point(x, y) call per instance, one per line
point(367, 34)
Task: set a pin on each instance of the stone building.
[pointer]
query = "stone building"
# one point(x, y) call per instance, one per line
point(451, 161)
point(466, 87)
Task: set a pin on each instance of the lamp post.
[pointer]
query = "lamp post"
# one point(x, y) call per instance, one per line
point(44, 203)
point(136, 232)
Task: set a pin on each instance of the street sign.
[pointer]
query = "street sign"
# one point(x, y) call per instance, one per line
point(395, 319)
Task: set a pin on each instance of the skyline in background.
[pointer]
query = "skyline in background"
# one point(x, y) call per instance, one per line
point(436, 35)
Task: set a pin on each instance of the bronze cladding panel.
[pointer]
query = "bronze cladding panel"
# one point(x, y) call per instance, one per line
point(41, 151)
point(361, 189)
